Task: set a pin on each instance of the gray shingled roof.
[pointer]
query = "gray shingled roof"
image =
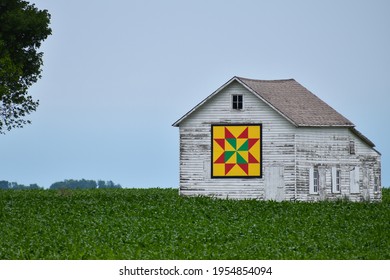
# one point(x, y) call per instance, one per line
point(295, 102)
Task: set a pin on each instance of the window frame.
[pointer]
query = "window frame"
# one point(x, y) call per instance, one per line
point(376, 183)
point(336, 180)
point(237, 102)
point(316, 180)
point(352, 147)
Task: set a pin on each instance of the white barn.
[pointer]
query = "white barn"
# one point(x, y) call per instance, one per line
point(297, 147)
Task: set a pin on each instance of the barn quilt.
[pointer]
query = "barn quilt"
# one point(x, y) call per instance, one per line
point(236, 150)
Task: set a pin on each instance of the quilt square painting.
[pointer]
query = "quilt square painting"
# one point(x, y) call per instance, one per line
point(236, 150)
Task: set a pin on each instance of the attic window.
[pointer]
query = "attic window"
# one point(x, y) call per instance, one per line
point(237, 102)
point(352, 147)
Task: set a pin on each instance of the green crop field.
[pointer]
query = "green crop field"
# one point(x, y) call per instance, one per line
point(158, 224)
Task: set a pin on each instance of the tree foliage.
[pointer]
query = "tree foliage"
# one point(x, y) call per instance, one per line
point(84, 184)
point(5, 185)
point(74, 184)
point(108, 185)
point(23, 27)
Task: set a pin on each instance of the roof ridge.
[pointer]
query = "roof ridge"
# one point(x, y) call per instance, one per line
point(259, 80)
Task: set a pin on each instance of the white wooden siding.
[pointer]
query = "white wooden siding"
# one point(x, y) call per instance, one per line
point(328, 148)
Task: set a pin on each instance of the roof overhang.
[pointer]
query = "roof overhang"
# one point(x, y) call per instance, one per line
point(364, 139)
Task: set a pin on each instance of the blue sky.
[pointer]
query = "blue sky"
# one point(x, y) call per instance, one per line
point(118, 73)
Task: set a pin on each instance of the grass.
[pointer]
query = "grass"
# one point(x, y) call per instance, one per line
point(158, 224)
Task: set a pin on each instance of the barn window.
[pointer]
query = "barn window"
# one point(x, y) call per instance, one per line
point(376, 184)
point(316, 177)
point(314, 180)
point(336, 180)
point(237, 102)
point(352, 147)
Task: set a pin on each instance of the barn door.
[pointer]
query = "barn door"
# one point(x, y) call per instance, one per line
point(274, 183)
point(354, 180)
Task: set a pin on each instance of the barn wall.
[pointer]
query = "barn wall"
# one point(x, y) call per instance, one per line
point(327, 148)
point(288, 154)
point(195, 147)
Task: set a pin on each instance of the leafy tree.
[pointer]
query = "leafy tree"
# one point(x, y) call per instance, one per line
point(108, 185)
point(22, 29)
point(3, 185)
point(57, 185)
point(84, 184)
point(101, 184)
point(74, 184)
point(34, 187)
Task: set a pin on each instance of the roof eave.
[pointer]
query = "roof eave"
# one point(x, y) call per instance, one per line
point(364, 139)
point(326, 125)
point(177, 123)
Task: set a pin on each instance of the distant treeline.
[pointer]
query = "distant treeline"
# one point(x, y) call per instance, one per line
point(5, 185)
point(66, 184)
point(84, 184)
